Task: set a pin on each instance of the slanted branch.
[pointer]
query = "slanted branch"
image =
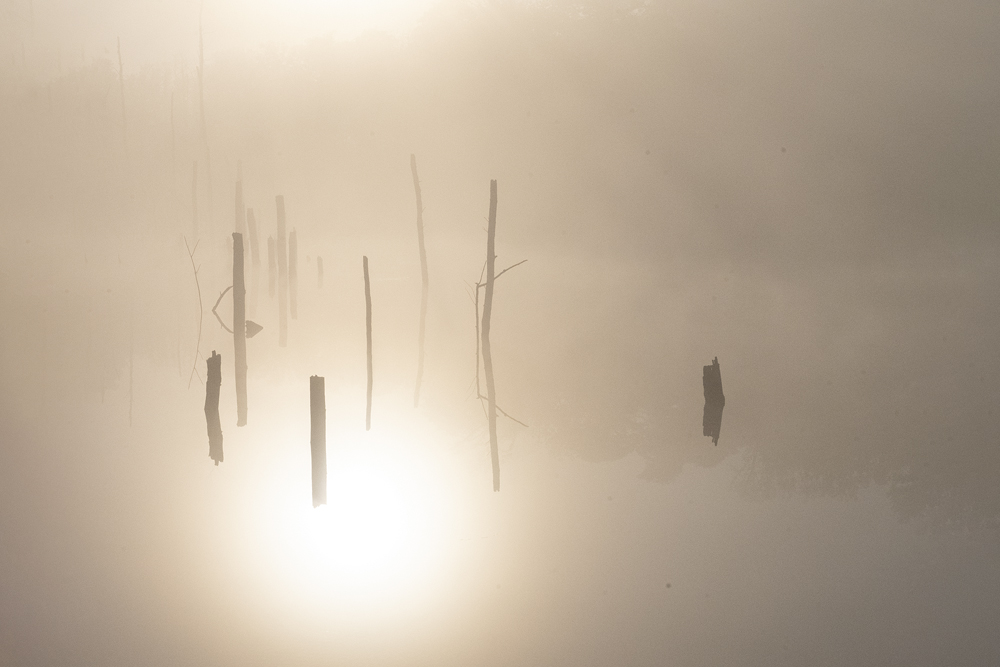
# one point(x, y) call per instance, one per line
point(423, 281)
point(368, 333)
point(201, 311)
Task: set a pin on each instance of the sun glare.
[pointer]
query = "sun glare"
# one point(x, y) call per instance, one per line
point(381, 538)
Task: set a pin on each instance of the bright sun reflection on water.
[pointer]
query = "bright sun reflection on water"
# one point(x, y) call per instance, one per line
point(382, 538)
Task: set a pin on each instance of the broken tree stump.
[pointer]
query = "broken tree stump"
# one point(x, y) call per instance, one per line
point(715, 401)
point(317, 438)
point(212, 386)
point(239, 329)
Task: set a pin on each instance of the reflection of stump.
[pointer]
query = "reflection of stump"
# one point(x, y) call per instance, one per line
point(317, 405)
point(212, 385)
point(714, 400)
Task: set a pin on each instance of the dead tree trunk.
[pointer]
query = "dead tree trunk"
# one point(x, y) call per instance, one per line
point(319, 272)
point(282, 275)
point(272, 267)
point(293, 274)
point(212, 386)
point(255, 256)
point(240, 329)
point(194, 200)
point(423, 281)
point(317, 439)
point(368, 331)
point(485, 332)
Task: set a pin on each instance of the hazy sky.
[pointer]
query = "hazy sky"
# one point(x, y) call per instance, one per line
point(805, 190)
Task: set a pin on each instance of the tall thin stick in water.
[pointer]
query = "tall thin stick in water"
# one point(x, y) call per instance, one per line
point(255, 256)
point(121, 88)
point(368, 331)
point(239, 329)
point(282, 275)
point(241, 220)
point(317, 438)
point(293, 274)
point(194, 200)
point(423, 281)
point(272, 267)
point(212, 387)
point(173, 158)
point(204, 125)
point(485, 332)
point(131, 357)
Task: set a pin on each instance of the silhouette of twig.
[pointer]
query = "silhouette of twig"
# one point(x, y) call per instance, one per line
point(217, 302)
point(201, 311)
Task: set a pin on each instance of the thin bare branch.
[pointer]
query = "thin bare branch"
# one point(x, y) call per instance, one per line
point(218, 301)
point(201, 311)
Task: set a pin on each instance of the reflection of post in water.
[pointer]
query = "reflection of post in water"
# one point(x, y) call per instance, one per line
point(714, 400)
point(212, 407)
point(317, 405)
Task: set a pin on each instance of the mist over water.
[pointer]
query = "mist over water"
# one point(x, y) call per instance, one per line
point(805, 192)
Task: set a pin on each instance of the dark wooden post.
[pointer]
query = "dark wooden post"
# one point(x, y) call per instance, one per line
point(212, 386)
point(240, 329)
point(368, 331)
point(423, 280)
point(715, 400)
point(317, 439)
point(282, 275)
point(487, 318)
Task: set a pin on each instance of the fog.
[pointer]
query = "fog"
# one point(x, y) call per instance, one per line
point(805, 191)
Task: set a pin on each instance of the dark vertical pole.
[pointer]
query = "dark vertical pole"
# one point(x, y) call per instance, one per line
point(423, 279)
point(368, 330)
point(240, 329)
point(487, 316)
point(282, 275)
point(212, 386)
point(272, 267)
point(293, 274)
point(317, 439)
point(319, 271)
